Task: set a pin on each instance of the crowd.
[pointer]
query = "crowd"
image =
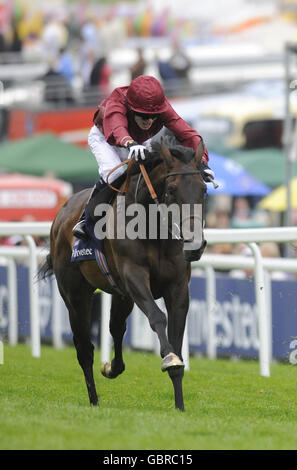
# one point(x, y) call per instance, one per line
point(79, 53)
point(242, 212)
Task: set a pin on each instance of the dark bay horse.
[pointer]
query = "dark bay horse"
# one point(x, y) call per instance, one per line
point(144, 268)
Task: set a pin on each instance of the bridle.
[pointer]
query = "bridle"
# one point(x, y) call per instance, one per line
point(147, 180)
point(182, 173)
point(176, 173)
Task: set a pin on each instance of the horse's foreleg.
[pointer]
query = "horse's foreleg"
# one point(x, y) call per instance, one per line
point(120, 310)
point(177, 304)
point(137, 284)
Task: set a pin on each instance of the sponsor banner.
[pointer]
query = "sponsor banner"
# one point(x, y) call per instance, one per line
point(236, 317)
point(45, 289)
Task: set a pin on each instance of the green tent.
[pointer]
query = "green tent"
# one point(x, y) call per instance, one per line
point(47, 153)
point(267, 165)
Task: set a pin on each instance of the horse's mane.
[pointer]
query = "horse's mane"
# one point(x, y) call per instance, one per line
point(184, 154)
point(180, 152)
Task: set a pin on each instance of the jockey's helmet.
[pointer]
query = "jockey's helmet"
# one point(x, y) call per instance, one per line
point(146, 95)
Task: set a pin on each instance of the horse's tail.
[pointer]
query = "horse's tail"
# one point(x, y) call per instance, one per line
point(46, 270)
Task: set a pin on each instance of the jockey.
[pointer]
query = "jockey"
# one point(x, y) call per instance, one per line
point(124, 124)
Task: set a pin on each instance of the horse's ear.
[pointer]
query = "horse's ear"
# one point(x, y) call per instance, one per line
point(165, 154)
point(199, 153)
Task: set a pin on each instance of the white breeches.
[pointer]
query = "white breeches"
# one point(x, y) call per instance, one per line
point(108, 156)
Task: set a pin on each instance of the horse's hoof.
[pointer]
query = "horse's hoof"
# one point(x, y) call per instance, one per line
point(106, 370)
point(171, 361)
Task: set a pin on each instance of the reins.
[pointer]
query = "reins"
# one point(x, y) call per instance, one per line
point(146, 178)
point(129, 164)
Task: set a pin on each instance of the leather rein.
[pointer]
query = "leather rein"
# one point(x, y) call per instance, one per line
point(146, 178)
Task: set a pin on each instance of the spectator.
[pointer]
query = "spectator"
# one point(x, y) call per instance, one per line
point(168, 76)
point(87, 62)
point(100, 76)
point(66, 66)
point(15, 43)
point(2, 42)
point(242, 214)
point(175, 71)
point(89, 51)
point(180, 62)
point(138, 68)
point(57, 88)
point(54, 37)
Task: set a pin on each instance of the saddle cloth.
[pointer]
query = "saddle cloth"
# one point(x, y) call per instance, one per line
point(92, 249)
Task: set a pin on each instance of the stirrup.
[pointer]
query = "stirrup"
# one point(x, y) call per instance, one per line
point(79, 230)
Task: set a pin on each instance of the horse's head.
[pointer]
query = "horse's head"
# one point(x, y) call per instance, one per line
point(184, 187)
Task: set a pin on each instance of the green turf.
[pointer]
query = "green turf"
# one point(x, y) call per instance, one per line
point(44, 405)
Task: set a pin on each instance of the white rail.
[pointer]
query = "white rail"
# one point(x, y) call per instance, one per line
point(251, 237)
point(12, 299)
point(213, 236)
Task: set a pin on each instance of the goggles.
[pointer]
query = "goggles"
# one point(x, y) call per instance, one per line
point(146, 116)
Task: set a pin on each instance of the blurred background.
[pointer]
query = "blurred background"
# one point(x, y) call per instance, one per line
point(228, 68)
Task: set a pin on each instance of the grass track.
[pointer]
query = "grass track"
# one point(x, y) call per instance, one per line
point(44, 405)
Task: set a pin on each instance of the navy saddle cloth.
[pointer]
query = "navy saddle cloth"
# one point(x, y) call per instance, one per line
point(92, 249)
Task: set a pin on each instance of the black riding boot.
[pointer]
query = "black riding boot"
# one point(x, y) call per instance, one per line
point(105, 196)
point(79, 228)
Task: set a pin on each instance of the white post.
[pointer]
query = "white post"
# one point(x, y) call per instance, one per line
point(56, 318)
point(262, 312)
point(105, 337)
point(211, 305)
point(267, 279)
point(34, 298)
point(1, 353)
point(185, 348)
point(12, 302)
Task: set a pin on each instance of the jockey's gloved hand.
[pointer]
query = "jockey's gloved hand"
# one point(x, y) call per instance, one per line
point(136, 150)
point(208, 175)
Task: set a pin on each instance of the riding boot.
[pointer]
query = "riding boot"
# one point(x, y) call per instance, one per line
point(79, 228)
point(106, 194)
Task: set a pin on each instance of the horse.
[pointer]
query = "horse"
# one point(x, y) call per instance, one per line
point(144, 268)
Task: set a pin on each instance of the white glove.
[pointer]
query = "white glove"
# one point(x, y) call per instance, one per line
point(136, 151)
point(208, 175)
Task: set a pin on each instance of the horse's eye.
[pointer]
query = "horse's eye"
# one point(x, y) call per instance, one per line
point(171, 190)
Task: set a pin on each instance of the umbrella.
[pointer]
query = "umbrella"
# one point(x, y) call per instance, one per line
point(266, 164)
point(42, 153)
point(22, 196)
point(233, 179)
point(277, 200)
